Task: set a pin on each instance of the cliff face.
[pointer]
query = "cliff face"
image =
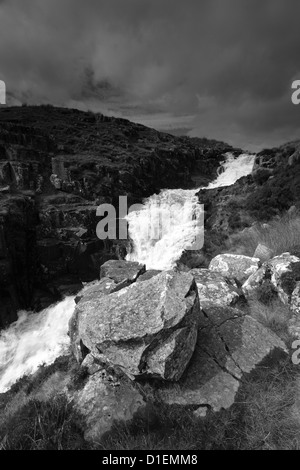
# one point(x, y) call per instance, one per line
point(56, 166)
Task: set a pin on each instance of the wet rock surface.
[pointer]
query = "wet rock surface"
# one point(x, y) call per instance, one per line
point(119, 271)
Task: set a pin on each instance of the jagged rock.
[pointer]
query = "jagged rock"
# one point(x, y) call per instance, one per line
point(283, 274)
point(229, 345)
point(122, 271)
point(237, 267)
point(148, 328)
point(148, 275)
point(92, 366)
point(102, 403)
point(263, 252)
point(105, 286)
point(214, 289)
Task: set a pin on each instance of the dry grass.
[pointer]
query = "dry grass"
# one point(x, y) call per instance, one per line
point(279, 235)
point(274, 315)
point(265, 416)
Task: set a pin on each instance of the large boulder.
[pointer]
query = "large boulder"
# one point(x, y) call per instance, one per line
point(282, 275)
point(214, 289)
point(282, 272)
point(148, 275)
point(148, 328)
point(103, 402)
point(122, 271)
point(229, 345)
point(238, 267)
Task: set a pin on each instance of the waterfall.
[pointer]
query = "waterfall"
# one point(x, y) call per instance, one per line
point(33, 340)
point(167, 223)
point(160, 232)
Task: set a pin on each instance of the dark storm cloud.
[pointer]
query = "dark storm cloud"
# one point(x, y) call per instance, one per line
point(222, 68)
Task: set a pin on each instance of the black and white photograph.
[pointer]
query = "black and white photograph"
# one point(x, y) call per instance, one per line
point(149, 227)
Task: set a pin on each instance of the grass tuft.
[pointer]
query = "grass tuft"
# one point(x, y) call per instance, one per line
point(279, 235)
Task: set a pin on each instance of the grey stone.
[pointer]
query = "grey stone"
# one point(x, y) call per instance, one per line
point(147, 328)
point(214, 289)
point(102, 403)
point(229, 345)
point(238, 267)
point(122, 271)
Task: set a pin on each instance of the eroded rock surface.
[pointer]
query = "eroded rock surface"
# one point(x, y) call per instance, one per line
point(103, 402)
point(237, 267)
point(282, 273)
point(214, 289)
point(148, 328)
point(229, 345)
point(122, 271)
point(148, 275)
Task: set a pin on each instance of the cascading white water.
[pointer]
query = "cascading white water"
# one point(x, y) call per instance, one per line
point(167, 223)
point(39, 338)
point(34, 339)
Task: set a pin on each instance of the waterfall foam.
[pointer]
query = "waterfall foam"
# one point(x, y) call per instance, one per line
point(33, 340)
point(172, 216)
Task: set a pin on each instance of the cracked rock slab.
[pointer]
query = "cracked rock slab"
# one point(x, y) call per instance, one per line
point(122, 271)
point(148, 328)
point(283, 272)
point(229, 345)
point(238, 267)
point(102, 403)
point(148, 275)
point(214, 288)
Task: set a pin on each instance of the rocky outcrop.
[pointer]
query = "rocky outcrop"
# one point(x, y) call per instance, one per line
point(215, 289)
point(278, 277)
point(119, 271)
point(237, 267)
point(148, 275)
point(229, 345)
point(282, 272)
point(146, 329)
point(103, 402)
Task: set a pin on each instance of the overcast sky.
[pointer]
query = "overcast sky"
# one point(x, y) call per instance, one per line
point(216, 68)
